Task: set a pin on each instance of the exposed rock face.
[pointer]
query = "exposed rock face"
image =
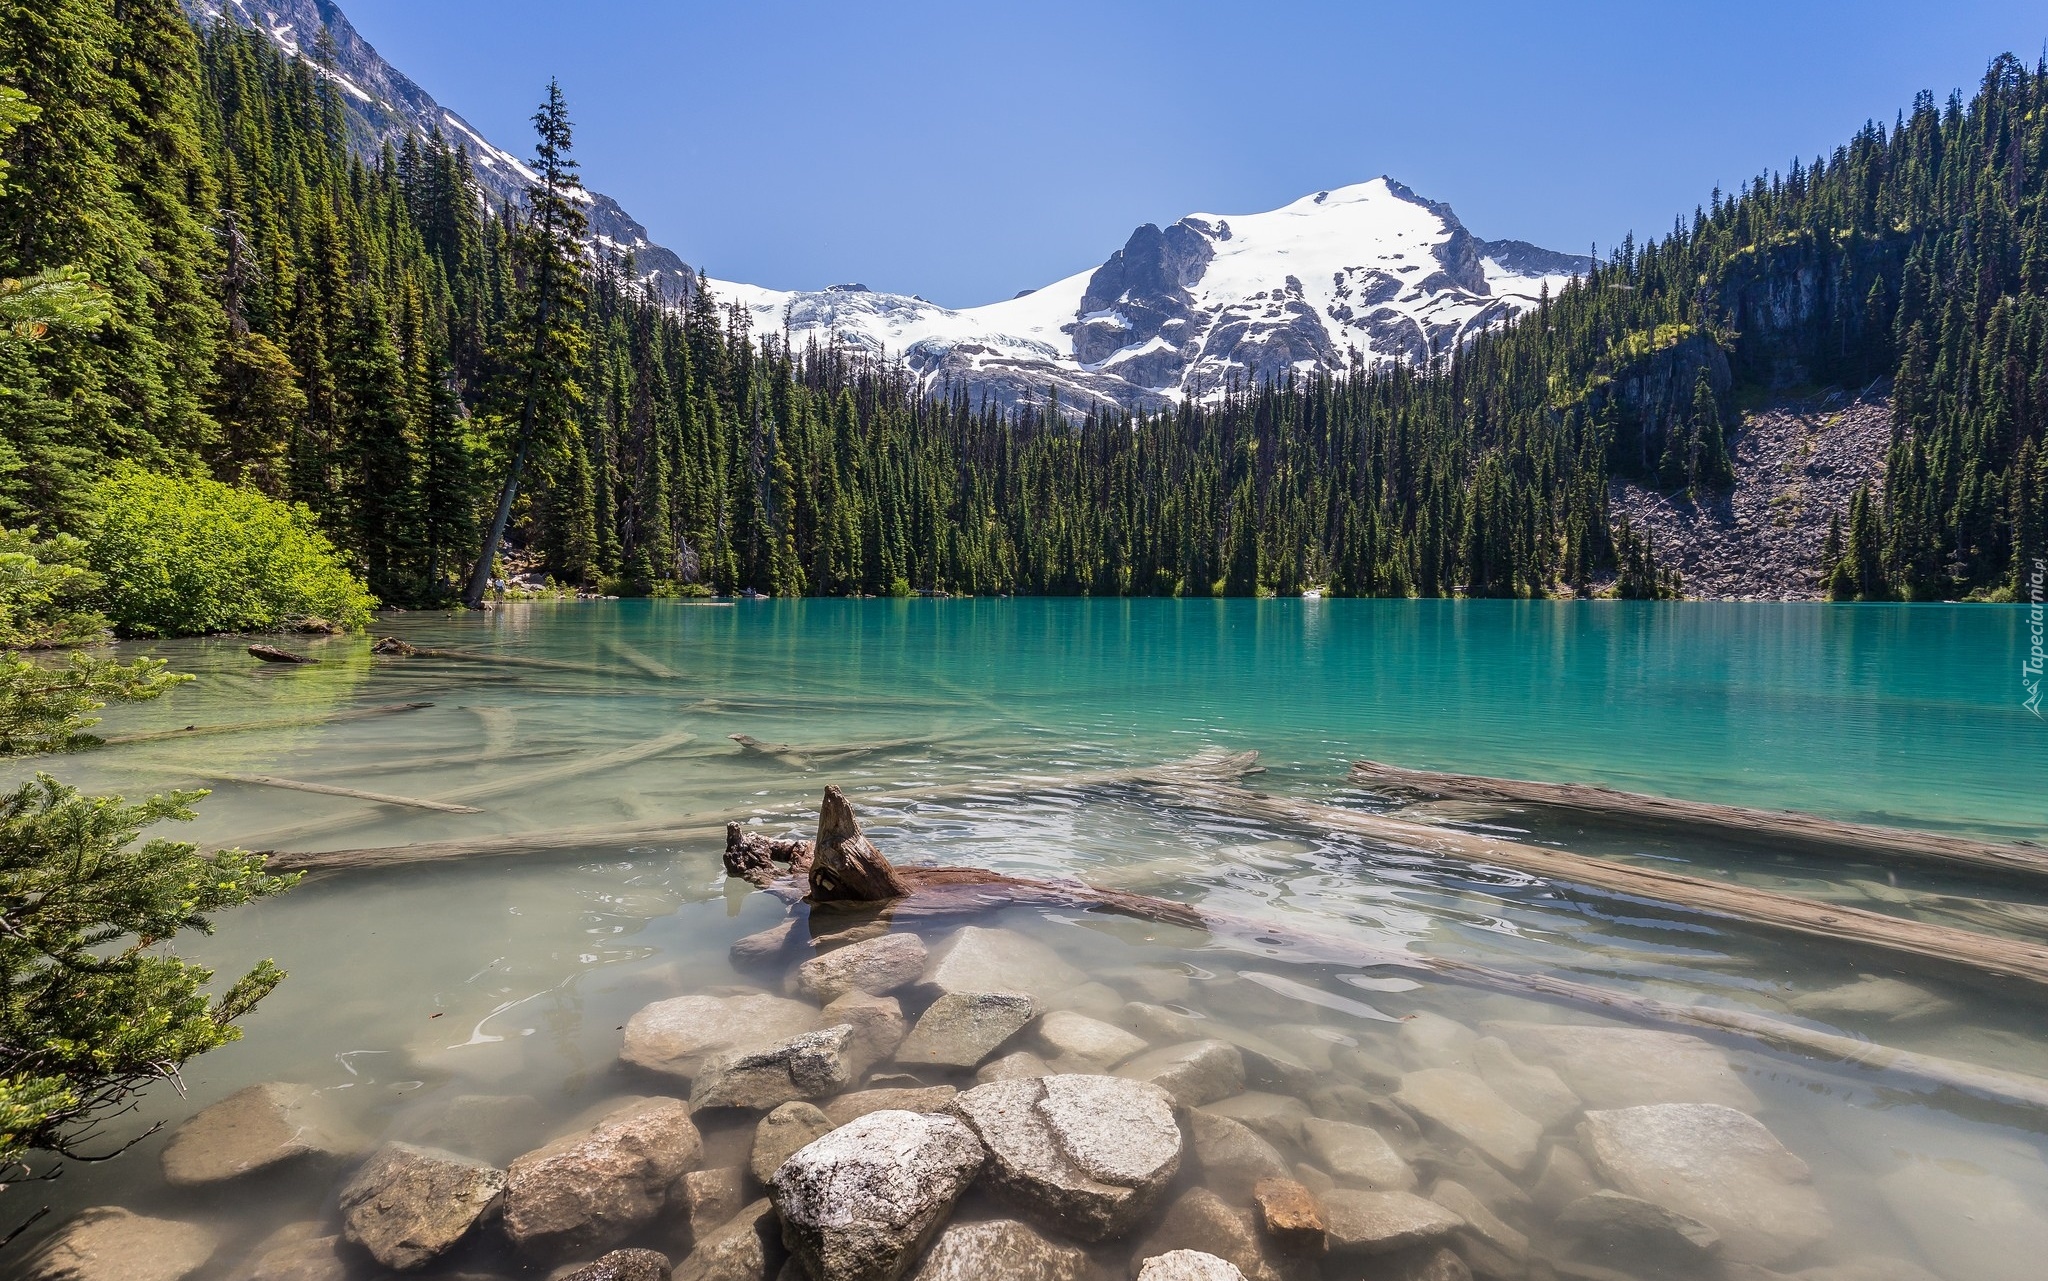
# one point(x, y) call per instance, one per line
point(1291, 1217)
point(258, 1128)
point(624, 1265)
point(810, 1066)
point(1195, 1073)
point(744, 1248)
point(782, 1132)
point(1187, 1265)
point(1468, 1107)
point(1716, 1165)
point(876, 966)
point(960, 1029)
point(998, 1249)
point(1622, 1067)
point(409, 1205)
point(927, 1098)
point(979, 959)
point(1086, 1155)
point(1357, 1156)
point(2007, 1234)
point(589, 1190)
point(1233, 1159)
point(1383, 1222)
point(861, 1203)
point(111, 1244)
point(678, 1036)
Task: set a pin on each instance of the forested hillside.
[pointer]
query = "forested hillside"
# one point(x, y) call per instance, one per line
point(365, 335)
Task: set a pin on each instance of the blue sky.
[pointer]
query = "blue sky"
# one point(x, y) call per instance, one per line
point(965, 151)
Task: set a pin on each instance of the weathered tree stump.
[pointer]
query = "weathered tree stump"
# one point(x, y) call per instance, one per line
point(753, 857)
point(845, 865)
point(272, 654)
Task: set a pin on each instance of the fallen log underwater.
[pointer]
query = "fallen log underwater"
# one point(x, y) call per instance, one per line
point(251, 727)
point(1780, 827)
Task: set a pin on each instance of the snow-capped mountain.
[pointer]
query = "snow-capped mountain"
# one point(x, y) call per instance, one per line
point(384, 105)
point(1359, 274)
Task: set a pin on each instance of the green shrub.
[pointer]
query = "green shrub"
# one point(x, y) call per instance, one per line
point(183, 556)
point(46, 592)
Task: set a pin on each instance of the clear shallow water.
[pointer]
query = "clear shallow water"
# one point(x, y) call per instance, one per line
point(1904, 715)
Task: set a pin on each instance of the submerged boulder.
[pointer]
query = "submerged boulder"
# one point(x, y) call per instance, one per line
point(678, 1036)
point(1357, 1156)
point(1291, 1217)
point(1232, 1157)
point(861, 1203)
point(2007, 1234)
point(920, 1098)
point(1464, 1104)
point(1085, 1155)
point(810, 1066)
point(1076, 1042)
point(980, 959)
point(257, 1128)
point(592, 1188)
point(745, 1247)
point(782, 1132)
point(303, 1251)
point(998, 1250)
point(410, 1205)
point(1194, 1073)
point(876, 966)
point(960, 1029)
point(623, 1265)
point(1384, 1222)
point(112, 1244)
point(1199, 1222)
point(1622, 1067)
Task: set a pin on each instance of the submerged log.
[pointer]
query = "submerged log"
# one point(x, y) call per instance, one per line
point(2001, 957)
point(823, 754)
point(1779, 827)
point(329, 789)
point(251, 727)
point(645, 664)
point(393, 647)
point(845, 865)
point(272, 654)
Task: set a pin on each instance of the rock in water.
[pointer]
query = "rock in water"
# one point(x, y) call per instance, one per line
point(810, 1066)
point(1716, 1165)
point(979, 959)
point(1276, 1118)
point(960, 1029)
point(782, 1132)
point(295, 1252)
point(1357, 1156)
point(676, 1036)
point(861, 1203)
point(1292, 1218)
point(1873, 996)
point(845, 865)
point(624, 1265)
point(877, 1023)
point(998, 1250)
point(254, 1129)
point(1468, 1107)
point(1085, 1155)
point(876, 966)
point(1383, 1222)
point(1187, 1265)
point(1631, 1230)
point(1969, 1222)
point(1623, 1067)
point(744, 1248)
point(1536, 1092)
point(1196, 1073)
point(1199, 1222)
point(591, 1189)
point(111, 1244)
point(1233, 1159)
point(409, 1205)
point(706, 1200)
point(925, 1098)
point(1075, 1042)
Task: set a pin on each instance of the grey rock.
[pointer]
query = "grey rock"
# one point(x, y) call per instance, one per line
point(1535, 1091)
point(1159, 984)
point(1562, 1177)
point(1194, 1073)
point(705, 1200)
point(926, 1098)
point(111, 1244)
point(590, 1189)
point(1873, 996)
point(960, 1029)
point(410, 1205)
point(677, 1036)
point(1716, 1165)
point(1622, 1067)
point(979, 959)
point(1383, 1222)
point(1276, 1118)
point(1084, 1155)
point(767, 947)
point(303, 1251)
point(744, 1248)
point(1199, 1222)
point(1630, 1229)
point(1075, 1042)
point(1423, 1263)
point(1233, 1159)
point(877, 1023)
point(623, 1265)
point(1266, 1063)
point(1362, 1065)
point(998, 1250)
point(1357, 1156)
point(782, 1132)
point(861, 1203)
point(1016, 1066)
point(1432, 1041)
point(489, 1127)
point(876, 966)
point(257, 1128)
point(1468, 1107)
point(1480, 1221)
point(2006, 1237)
point(813, 1065)
point(1187, 1265)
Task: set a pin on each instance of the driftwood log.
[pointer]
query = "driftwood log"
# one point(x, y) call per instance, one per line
point(252, 727)
point(272, 654)
point(1778, 827)
point(2001, 957)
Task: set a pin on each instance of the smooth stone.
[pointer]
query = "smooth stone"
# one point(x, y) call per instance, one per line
point(1432, 1041)
point(744, 1248)
point(1714, 1164)
point(1535, 1091)
point(679, 1035)
point(1868, 1268)
point(1159, 984)
point(861, 1203)
point(706, 1200)
point(1085, 1155)
point(1969, 1222)
point(925, 1098)
point(257, 1128)
point(998, 1250)
point(1096, 1000)
point(765, 948)
point(813, 1065)
point(878, 1027)
point(1314, 1179)
point(1291, 1217)
point(489, 1127)
point(1382, 1222)
point(1627, 1227)
point(588, 1190)
point(303, 1251)
point(1194, 1073)
point(979, 959)
point(623, 1265)
point(1426, 1263)
point(1198, 1221)
point(410, 1205)
point(1362, 1065)
point(1479, 1220)
point(1624, 1067)
point(1079, 1043)
point(1314, 1045)
point(1468, 1107)
point(960, 1029)
point(1562, 1177)
point(877, 966)
point(1276, 1118)
point(1872, 996)
point(782, 1132)
point(112, 1244)
point(1233, 1158)
point(1187, 1265)
point(1479, 1176)
point(1265, 1062)
point(1021, 1065)
point(1356, 1156)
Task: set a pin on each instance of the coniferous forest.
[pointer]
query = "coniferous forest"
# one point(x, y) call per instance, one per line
point(366, 335)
